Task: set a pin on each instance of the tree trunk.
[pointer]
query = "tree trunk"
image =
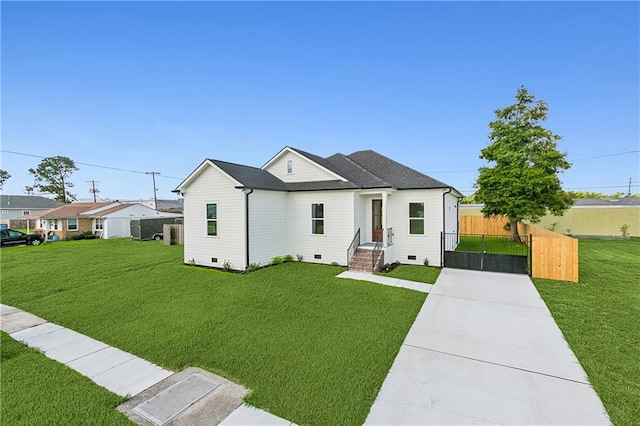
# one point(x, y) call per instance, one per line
point(515, 236)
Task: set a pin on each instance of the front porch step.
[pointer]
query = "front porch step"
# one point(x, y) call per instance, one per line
point(362, 260)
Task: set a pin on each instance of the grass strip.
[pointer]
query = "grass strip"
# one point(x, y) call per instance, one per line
point(314, 349)
point(599, 318)
point(37, 390)
point(416, 273)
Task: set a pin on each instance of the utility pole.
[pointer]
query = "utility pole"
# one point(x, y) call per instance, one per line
point(629, 191)
point(93, 189)
point(155, 190)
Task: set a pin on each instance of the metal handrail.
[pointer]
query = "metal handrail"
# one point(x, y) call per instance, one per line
point(351, 251)
point(375, 254)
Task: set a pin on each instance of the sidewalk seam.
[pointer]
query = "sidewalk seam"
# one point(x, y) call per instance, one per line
point(500, 365)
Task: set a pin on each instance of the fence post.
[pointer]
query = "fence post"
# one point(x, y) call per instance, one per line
point(531, 255)
point(482, 257)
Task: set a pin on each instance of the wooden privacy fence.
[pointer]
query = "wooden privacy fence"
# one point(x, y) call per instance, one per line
point(553, 256)
point(173, 234)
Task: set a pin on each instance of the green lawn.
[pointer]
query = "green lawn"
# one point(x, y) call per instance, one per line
point(37, 390)
point(600, 318)
point(313, 348)
point(495, 245)
point(417, 273)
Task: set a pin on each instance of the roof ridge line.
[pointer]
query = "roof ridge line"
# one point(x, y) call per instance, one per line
point(362, 168)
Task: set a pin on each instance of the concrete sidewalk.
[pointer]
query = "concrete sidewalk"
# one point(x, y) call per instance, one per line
point(378, 279)
point(127, 375)
point(484, 349)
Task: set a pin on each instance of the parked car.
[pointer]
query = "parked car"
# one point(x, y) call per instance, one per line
point(11, 237)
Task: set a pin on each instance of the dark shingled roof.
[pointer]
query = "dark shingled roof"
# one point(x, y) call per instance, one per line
point(251, 177)
point(355, 173)
point(27, 202)
point(362, 169)
point(398, 175)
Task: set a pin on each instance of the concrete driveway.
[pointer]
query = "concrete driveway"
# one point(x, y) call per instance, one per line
point(484, 349)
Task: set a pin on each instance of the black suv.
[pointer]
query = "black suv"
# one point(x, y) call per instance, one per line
point(11, 237)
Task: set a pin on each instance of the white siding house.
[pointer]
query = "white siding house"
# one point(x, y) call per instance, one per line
point(302, 204)
point(114, 220)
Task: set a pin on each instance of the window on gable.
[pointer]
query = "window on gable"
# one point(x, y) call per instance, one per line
point(72, 224)
point(317, 219)
point(289, 167)
point(416, 218)
point(212, 219)
point(26, 212)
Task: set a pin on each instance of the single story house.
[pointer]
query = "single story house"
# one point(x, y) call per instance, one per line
point(14, 206)
point(323, 209)
point(103, 219)
point(587, 217)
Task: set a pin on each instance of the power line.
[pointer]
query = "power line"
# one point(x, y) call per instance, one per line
point(90, 165)
point(608, 155)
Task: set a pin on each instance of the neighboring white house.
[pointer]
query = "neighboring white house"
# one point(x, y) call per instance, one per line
point(302, 204)
point(114, 220)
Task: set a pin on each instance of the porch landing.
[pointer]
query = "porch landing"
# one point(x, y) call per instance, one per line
point(393, 282)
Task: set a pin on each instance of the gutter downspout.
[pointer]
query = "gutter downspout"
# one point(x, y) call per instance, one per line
point(444, 226)
point(246, 221)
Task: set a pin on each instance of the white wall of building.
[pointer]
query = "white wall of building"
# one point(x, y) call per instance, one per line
point(267, 226)
point(451, 213)
point(406, 244)
point(212, 186)
point(338, 225)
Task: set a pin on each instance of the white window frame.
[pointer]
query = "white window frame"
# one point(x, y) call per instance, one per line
point(289, 166)
point(53, 224)
point(315, 220)
point(99, 224)
point(424, 229)
point(214, 220)
point(5, 212)
point(77, 224)
point(26, 212)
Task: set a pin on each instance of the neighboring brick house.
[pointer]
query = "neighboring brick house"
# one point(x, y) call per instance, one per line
point(105, 219)
point(67, 221)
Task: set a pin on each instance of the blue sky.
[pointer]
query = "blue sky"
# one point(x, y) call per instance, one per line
point(160, 86)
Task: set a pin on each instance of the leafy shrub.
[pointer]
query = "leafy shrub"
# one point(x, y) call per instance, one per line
point(288, 258)
point(388, 267)
point(334, 264)
point(299, 257)
point(276, 261)
point(253, 267)
point(192, 262)
point(425, 262)
point(226, 266)
point(625, 230)
point(86, 235)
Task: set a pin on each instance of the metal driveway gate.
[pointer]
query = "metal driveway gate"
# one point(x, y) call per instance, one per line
point(496, 253)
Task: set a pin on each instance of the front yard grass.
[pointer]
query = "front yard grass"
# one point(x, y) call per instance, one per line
point(422, 274)
point(600, 319)
point(37, 390)
point(314, 349)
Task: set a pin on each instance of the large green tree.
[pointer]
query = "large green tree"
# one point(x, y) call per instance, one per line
point(4, 176)
point(52, 176)
point(521, 180)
